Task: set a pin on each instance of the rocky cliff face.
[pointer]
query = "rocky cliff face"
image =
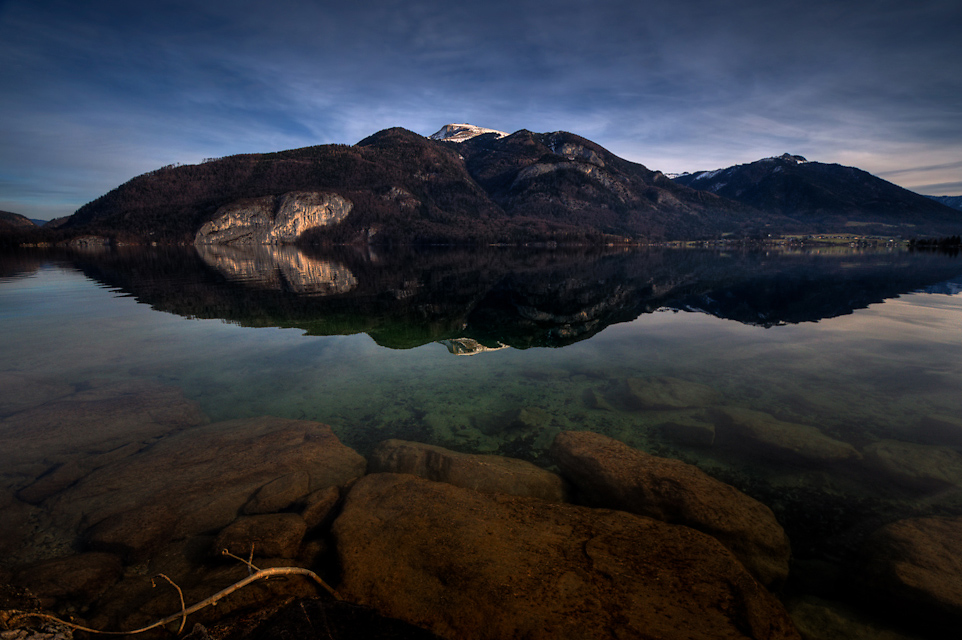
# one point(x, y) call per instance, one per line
point(273, 219)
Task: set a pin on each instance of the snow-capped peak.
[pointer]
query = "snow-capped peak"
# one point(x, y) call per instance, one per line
point(462, 132)
point(790, 158)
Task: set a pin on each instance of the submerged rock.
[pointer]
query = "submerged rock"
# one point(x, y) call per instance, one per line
point(319, 505)
point(692, 428)
point(916, 564)
point(916, 466)
point(595, 399)
point(343, 620)
point(798, 442)
point(488, 474)
point(611, 474)
point(940, 429)
point(22, 392)
point(84, 576)
point(516, 421)
point(469, 565)
point(821, 620)
point(95, 421)
point(274, 535)
point(665, 392)
point(199, 480)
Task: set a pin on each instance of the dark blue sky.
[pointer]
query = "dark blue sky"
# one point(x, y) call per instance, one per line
point(94, 93)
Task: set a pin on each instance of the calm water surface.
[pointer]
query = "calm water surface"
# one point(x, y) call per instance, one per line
point(446, 348)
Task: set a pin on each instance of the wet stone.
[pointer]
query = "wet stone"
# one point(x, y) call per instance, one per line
point(279, 494)
point(608, 473)
point(277, 535)
point(485, 473)
point(469, 565)
point(319, 505)
point(200, 480)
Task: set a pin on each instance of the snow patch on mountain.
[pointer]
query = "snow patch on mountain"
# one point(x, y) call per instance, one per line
point(462, 132)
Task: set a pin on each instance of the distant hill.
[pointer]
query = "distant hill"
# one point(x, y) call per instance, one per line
point(827, 197)
point(474, 185)
point(950, 201)
point(15, 221)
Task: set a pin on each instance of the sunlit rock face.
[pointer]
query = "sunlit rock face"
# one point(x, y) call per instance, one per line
point(284, 268)
point(273, 219)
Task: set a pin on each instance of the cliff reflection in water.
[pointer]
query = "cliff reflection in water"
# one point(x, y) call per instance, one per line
point(480, 300)
point(278, 267)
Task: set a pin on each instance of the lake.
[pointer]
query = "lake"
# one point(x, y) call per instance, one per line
point(497, 351)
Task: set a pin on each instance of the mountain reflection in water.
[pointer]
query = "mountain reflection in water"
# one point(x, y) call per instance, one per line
point(508, 297)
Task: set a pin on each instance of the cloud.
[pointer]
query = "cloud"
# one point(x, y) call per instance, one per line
point(94, 94)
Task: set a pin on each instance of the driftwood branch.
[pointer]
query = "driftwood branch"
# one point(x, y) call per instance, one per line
point(186, 611)
point(183, 606)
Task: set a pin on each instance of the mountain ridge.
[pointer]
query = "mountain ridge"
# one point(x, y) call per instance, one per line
point(826, 197)
point(406, 188)
point(476, 185)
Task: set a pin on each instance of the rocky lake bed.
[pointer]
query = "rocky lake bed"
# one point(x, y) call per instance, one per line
point(109, 486)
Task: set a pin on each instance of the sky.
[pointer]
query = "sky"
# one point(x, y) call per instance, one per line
point(94, 93)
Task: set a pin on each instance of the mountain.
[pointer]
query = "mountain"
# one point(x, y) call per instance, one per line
point(950, 201)
point(396, 186)
point(472, 185)
point(827, 197)
point(15, 222)
point(462, 132)
point(564, 177)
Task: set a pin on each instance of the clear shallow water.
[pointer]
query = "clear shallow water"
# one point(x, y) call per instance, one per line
point(864, 347)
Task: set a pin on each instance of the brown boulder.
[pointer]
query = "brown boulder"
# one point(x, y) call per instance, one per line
point(917, 563)
point(470, 565)
point(488, 474)
point(609, 473)
point(319, 505)
point(197, 481)
point(274, 535)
